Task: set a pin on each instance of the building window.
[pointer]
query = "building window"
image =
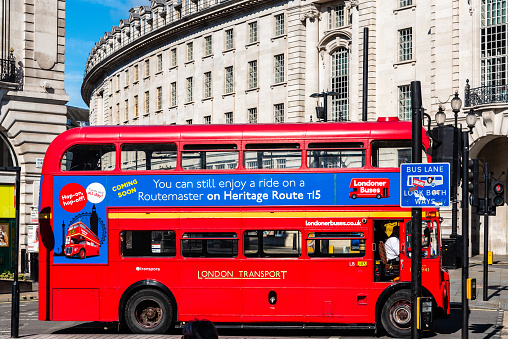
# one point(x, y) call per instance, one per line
point(173, 57)
point(340, 84)
point(208, 85)
point(126, 77)
point(278, 112)
point(253, 32)
point(279, 25)
point(159, 98)
point(405, 44)
point(126, 110)
point(207, 120)
point(117, 113)
point(136, 73)
point(173, 93)
point(279, 68)
point(159, 63)
point(405, 102)
point(404, 3)
point(147, 102)
point(229, 39)
point(118, 83)
point(253, 74)
point(253, 115)
point(188, 122)
point(147, 67)
point(228, 117)
point(336, 17)
point(136, 105)
point(190, 51)
point(494, 53)
point(229, 85)
point(208, 45)
point(189, 89)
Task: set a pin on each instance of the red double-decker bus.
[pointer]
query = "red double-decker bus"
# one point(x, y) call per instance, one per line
point(245, 225)
point(81, 241)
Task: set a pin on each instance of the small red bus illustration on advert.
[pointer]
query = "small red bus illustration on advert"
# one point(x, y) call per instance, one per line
point(369, 188)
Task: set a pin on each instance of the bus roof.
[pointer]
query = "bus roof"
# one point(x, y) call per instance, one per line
point(383, 129)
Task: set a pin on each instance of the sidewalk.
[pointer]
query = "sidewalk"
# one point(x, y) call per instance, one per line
point(7, 297)
point(498, 283)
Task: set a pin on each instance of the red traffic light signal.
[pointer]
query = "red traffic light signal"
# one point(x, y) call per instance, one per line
point(497, 193)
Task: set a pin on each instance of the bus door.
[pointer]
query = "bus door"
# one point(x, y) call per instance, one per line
point(272, 273)
point(339, 275)
point(430, 249)
point(209, 271)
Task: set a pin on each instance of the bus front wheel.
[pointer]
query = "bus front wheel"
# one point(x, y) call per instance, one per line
point(396, 314)
point(148, 311)
point(82, 254)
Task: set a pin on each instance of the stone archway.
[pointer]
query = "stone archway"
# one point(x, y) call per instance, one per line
point(493, 150)
point(7, 154)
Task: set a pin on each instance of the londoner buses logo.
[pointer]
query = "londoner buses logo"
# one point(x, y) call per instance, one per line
point(252, 275)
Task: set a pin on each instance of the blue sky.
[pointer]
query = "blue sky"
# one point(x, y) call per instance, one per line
point(86, 21)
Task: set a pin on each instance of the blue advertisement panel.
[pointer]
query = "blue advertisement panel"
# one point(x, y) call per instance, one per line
point(79, 220)
point(298, 189)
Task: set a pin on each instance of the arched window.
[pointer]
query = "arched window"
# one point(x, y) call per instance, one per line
point(340, 84)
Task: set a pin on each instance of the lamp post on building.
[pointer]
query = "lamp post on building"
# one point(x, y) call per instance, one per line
point(456, 105)
point(322, 112)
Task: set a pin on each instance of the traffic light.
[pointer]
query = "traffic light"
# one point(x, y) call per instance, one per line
point(496, 196)
point(446, 148)
point(473, 180)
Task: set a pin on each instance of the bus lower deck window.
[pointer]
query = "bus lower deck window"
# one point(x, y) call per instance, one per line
point(210, 245)
point(270, 243)
point(336, 244)
point(148, 243)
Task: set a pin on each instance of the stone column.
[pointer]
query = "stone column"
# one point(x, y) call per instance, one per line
point(311, 20)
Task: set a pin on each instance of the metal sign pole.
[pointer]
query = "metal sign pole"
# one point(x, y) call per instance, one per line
point(465, 235)
point(15, 237)
point(416, 213)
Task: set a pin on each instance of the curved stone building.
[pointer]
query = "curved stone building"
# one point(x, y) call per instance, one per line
point(256, 61)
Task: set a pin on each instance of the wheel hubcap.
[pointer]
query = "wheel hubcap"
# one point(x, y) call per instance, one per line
point(401, 314)
point(148, 313)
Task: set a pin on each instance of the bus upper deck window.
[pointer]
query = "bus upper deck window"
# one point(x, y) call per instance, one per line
point(336, 155)
point(209, 156)
point(273, 156)
point(89, 158)
point(148, 157)
point(393, 153)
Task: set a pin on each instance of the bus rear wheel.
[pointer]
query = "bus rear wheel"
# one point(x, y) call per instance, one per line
point(148, 311)
point(82, 253)
point(396, 314)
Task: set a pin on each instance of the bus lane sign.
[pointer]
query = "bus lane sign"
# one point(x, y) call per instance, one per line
point(425, 185)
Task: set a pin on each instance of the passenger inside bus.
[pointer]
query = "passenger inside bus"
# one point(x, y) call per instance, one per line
point(387, 267)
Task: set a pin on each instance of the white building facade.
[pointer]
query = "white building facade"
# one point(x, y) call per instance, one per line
point(259, 61)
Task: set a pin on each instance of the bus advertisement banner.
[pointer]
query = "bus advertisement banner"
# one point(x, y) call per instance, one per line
point(80, 201)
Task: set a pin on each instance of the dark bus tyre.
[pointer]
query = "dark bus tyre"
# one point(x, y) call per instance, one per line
point(396, 314)
point(148, 311)
point(82, 254)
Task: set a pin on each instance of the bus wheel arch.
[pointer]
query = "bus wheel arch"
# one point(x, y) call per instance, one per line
point(391, 290)
point(146, 285)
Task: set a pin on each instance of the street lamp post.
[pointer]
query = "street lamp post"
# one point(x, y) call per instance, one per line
point(324, 95)
point(456, 104)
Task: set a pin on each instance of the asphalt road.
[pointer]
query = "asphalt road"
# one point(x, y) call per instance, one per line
point(484, 323)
